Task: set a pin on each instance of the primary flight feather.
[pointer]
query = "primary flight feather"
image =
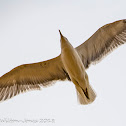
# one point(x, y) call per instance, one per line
point(33, 76)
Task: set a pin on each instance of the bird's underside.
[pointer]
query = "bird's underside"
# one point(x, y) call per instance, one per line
point(33, 76)
point(76, 71)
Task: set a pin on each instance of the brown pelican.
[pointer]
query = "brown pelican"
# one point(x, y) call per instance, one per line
point(70, 65)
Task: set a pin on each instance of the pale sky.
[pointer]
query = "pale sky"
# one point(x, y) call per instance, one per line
point(29, 33)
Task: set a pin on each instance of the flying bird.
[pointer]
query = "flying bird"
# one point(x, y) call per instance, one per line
point(70, 65)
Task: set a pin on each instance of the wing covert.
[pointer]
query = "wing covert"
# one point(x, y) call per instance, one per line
point(31, 76)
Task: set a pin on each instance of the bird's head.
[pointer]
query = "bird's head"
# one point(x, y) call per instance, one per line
point(62, 37)
point(63, 40)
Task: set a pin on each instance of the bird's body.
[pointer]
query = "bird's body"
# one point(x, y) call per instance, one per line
point(75, 69)
point(71, 60)
point(70, 65)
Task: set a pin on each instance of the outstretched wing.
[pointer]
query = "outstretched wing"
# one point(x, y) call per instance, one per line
point(31, 76)
point(103, 41)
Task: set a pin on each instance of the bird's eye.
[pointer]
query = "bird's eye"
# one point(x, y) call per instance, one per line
point(66, 39)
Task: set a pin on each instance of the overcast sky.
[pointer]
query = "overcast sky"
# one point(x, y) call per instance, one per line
point(29, 33)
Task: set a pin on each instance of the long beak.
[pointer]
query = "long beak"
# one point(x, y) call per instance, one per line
point(60, 33)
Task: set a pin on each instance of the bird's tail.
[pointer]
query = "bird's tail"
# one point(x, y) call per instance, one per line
point(81, 95)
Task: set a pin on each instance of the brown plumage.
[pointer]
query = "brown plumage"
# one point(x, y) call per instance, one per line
point(102, 42)
point(32, 76)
